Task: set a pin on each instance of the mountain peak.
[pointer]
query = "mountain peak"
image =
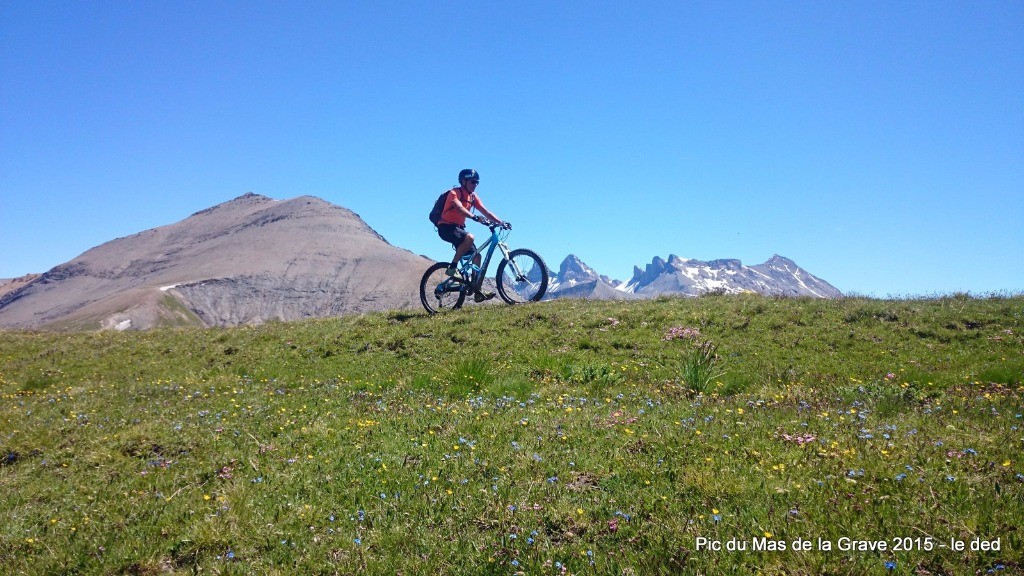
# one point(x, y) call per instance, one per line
point(777, 261)
point(250, 195)
point(572, 268)
point(575, 279)
point(247, 260)
point(248, 199)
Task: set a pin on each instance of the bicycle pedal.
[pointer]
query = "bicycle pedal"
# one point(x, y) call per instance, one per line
point(483, 296)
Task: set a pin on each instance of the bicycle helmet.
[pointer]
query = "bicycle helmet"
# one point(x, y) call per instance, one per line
point(469, 174)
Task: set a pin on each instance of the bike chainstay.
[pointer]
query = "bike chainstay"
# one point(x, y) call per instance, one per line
point(448, 285)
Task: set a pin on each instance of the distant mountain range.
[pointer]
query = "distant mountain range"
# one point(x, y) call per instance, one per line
point(779, 276)
point(254, 259)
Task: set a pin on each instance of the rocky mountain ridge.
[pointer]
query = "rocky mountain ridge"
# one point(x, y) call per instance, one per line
point(778, 276)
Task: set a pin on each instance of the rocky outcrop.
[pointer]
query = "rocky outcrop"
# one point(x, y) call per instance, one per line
point(8, 285)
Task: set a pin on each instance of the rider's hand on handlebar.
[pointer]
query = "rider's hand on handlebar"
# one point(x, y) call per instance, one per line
point(506, 225)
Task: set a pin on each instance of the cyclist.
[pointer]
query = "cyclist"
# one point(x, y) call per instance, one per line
point(452, 225)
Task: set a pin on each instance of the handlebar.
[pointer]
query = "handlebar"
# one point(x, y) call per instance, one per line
point(492, 225)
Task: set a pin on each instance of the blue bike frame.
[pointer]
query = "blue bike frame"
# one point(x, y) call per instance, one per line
point(476, 273)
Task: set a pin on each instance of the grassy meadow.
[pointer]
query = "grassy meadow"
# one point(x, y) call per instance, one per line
point(715, 435)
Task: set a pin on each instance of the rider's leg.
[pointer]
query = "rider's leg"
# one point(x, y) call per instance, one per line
point(460, 251)
point(464, 248)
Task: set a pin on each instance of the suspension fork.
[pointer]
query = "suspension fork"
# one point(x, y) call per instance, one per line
point(508, 258)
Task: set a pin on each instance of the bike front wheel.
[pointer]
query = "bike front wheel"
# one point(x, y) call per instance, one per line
point(439, 292)
point(523, 277)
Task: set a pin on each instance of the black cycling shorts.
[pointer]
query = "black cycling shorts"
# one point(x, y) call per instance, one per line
point(452, 233)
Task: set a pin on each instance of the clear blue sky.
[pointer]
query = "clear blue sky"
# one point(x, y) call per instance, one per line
point(880, 145)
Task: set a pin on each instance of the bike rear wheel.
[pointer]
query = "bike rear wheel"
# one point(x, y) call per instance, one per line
point(439, 292)
point(523, 277)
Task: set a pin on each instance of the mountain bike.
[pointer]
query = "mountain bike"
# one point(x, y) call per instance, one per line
point(521, 277)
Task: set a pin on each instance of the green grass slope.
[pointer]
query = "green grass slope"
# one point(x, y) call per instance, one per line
point(710, 436)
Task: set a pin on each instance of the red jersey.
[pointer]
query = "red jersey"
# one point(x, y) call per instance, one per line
point(451, 214)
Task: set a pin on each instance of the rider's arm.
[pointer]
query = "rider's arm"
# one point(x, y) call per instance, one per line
point(483, 210)
point(458, 206)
